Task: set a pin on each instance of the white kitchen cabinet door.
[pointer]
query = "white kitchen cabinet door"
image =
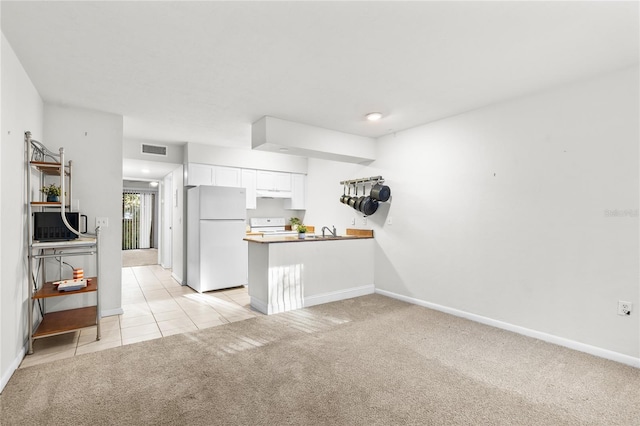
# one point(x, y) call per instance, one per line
point(273, 181)
point(265, 180)
point(249, 183)
point(199, 174)
point(227, 176)
point(283, 181)
point(298, 199)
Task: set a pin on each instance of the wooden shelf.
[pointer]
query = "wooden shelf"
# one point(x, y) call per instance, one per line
point(49, 290)
point(65, 321)
point(51, 169)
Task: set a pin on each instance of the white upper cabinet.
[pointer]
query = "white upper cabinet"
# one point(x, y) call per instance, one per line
point(227, 176)
point(206, 174)
point(249, 183)
point(283, 181)
point(298, 200)
point(199, 174)
point(273, 181)
point(290, 186)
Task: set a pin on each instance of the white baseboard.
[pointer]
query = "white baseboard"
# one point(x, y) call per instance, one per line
point(6, 375)
point(560, 341)
point(334, 296)
point(111, 312)
point(319, 299)
point(177, 278)
point(259, 305)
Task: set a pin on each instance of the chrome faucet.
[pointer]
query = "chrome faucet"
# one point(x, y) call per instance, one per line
point(330, 231)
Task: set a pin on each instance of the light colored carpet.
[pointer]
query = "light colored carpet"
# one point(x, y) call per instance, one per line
point(139, 257)
point(369, 360)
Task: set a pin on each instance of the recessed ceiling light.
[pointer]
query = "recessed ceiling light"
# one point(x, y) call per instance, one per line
point(145, 171)
point(373, 116)
point(154, 184)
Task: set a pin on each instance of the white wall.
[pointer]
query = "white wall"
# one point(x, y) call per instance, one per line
point(324, 191)
point(132, 148)
point(512, 202)
point(22, 109)
point(246, 158)
point(506, 212)
point(273, 207)
point(93, 140)
point(167, 221)
point(179, 255)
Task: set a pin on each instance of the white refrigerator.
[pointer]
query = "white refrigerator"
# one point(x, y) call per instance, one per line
point(217, 256)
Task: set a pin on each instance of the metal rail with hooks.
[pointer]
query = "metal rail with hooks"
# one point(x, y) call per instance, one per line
point(373, 179)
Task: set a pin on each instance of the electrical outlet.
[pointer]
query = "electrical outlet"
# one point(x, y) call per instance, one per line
point(389, 221)
point(102, 222)
point(364, 221)
point(624, 308)
point(353, 220)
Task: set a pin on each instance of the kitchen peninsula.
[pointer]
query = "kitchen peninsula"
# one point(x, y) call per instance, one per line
point(287, 273)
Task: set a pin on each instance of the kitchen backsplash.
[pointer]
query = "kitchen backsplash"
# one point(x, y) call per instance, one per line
point(273, 207)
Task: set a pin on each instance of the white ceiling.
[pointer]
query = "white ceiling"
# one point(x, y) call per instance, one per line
point(142, 170)
point(204, 71)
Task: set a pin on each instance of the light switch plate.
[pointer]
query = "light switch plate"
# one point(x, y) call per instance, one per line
point(102, 222)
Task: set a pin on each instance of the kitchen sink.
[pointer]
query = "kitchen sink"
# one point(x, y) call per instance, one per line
point(326, 237)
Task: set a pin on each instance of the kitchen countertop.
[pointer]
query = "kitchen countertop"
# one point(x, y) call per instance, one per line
point(352, 234)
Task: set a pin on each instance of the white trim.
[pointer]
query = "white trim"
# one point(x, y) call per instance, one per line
point(13, 367)
point(259, 305)
point(318, 299)
point(334, 296)
point(561, 341)
point(111, 312)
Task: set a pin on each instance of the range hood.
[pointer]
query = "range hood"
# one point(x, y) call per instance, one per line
point(266, 193)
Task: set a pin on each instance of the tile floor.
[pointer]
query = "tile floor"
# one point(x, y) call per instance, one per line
point(155, 306)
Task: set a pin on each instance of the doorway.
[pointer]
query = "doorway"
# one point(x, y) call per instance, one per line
point(139, 226)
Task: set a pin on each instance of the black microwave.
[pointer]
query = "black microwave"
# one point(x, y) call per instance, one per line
point(48, 226)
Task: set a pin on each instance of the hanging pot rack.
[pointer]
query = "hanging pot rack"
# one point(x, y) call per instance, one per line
point(366, 204)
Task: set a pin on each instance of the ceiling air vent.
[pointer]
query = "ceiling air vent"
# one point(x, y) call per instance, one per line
point(154, 149)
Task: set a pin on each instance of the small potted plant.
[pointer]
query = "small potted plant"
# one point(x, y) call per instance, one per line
point(302, 231)
point(52, 191)
point(295, 222)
